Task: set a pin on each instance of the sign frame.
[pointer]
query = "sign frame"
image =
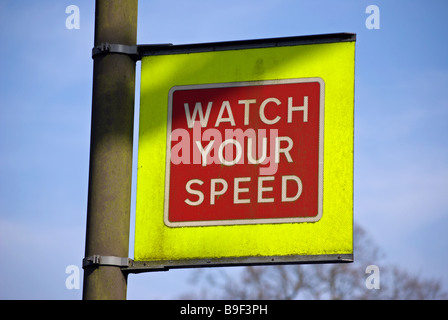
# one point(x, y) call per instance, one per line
point(173, 258)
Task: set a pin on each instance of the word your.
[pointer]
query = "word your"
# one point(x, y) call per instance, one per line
point(373, 280)
point(373, 20)
point(72, 281)
point(219, 150)
point(72, 21)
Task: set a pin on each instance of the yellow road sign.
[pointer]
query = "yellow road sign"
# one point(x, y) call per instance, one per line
point(202, 197)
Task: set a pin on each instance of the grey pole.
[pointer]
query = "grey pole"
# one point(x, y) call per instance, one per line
point(110, 172)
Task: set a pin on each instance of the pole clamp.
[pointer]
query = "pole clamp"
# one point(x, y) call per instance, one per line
point(134, 51)
point(105, 48)
point(97, 260)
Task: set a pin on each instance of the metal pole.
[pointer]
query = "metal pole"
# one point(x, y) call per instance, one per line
point(110, 172)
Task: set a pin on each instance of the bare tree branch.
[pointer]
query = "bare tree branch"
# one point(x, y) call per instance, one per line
point(321, 281)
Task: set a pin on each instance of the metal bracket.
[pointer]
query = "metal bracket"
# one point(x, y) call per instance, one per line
point(105, 48)
point(133, 51)
point(97, 260)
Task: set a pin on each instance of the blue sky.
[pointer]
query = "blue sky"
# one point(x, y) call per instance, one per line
point(401, 145)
